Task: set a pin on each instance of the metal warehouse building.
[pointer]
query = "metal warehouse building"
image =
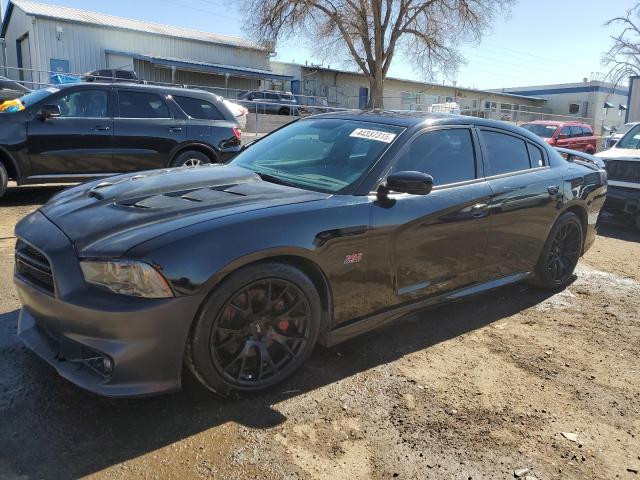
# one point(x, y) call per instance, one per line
point(41, 40)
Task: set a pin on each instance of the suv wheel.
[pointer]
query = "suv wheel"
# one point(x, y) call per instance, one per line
point(283, 111)
point(4, 180)
point(254, 330)
point(190, 158)
point(560, 253)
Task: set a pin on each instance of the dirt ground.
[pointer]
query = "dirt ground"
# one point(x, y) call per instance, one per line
point(473, 390)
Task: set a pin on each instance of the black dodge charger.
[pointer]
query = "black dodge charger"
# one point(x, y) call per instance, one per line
point(326, 228)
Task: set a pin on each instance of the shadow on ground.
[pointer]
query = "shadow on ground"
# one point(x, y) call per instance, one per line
point(51, 429)
point(628, 233)
point(24, 196)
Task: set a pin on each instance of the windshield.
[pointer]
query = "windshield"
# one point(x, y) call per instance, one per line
point(327, 155)
point(37, 95)
point(541, 130)
point(624, 128)
point(631, 139)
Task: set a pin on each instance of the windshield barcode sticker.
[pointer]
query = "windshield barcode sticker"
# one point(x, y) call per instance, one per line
point(385, 137)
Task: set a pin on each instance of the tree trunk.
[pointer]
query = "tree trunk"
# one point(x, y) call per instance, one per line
point(376, 91)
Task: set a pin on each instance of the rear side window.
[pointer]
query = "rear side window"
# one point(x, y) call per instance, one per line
point(565, 131)
point(506, 153)
point(141, 105)
point(271, 96)
point(535, 156)
point(199, 109)
point(446, 155)
point(576, 131)
point(586, 131)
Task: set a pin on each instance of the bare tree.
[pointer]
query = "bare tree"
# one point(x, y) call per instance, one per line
point(371, 32)
point(623, 58)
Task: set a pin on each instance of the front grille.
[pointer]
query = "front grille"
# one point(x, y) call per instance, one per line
point(34, 266)
point(623, 171)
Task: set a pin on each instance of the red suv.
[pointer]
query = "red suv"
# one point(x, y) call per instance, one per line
point(574, 135)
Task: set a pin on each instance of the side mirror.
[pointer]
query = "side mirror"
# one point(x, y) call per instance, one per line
point(414, 183)
point(562, 136)
point(50, 111)
point(250, 97)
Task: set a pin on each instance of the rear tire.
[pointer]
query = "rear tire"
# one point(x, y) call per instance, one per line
point(560, 254)
point(191, 158)
point(254, 330)
point(284, 111)
point(4, 180)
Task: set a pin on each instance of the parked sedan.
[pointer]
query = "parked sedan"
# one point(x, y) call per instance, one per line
point(322, 230)
point(84, 131)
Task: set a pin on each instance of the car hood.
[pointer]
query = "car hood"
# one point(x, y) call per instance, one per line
point(620, 154)
point(106, 218)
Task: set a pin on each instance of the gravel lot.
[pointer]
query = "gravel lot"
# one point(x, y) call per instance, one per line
point(471, 390)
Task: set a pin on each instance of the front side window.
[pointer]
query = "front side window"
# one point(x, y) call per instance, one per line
point(631, 140)
point(586, 131)
point(540, 129)
point(565, 131)
point(141, 105)
point(446, 155)
point(328, 155)
point(199, 109)
point(83, 104)
point(506, 153)
point(576, 131)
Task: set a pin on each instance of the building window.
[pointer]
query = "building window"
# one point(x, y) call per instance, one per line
point(505, 106)
point(574, 108)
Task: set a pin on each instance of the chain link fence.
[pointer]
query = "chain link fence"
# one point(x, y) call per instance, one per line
point(267, 110)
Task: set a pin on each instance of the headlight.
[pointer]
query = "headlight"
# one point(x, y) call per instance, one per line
point(136, 279)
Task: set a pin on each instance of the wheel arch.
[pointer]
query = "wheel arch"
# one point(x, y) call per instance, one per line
point(298, 259)
point(9, 164)
point(208, 150)
point(581, 212)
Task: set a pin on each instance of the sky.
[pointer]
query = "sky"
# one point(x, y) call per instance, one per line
point(538, 42)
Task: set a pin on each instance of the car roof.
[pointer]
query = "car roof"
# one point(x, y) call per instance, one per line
point(143, 87)
point(557, 123)
point(412, 119)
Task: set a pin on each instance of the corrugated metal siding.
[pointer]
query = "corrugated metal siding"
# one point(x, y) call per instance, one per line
point(84, 46)
point(20, 24)
point(111, 21)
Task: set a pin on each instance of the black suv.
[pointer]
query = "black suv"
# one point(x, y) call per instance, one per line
point(269, 101)
point(84, 131)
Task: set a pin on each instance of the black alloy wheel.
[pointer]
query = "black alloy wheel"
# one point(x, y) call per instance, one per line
point(259, 332)
point(255, 329)
point(561, 253)
point(564, 253)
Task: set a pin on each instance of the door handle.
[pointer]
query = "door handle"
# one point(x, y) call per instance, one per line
point(553, 189)
point(479, 210)
point(101, 128)
point(175, 129)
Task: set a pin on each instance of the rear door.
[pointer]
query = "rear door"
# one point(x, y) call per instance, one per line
point(145, 130)
point(579, 142)
point(78, 142)
point(563, 137)
point(435, 242)
point(525, 195)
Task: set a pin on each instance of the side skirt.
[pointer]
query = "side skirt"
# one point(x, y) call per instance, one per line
point(63, 178)
point(356, 327)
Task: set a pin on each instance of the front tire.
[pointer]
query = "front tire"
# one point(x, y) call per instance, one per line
point(560, 254)
point(191, 158)
point(4, 180)
point(254, 330)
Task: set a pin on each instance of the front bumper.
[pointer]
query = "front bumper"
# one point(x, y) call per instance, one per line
point(622, 203)
point(144, 339)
